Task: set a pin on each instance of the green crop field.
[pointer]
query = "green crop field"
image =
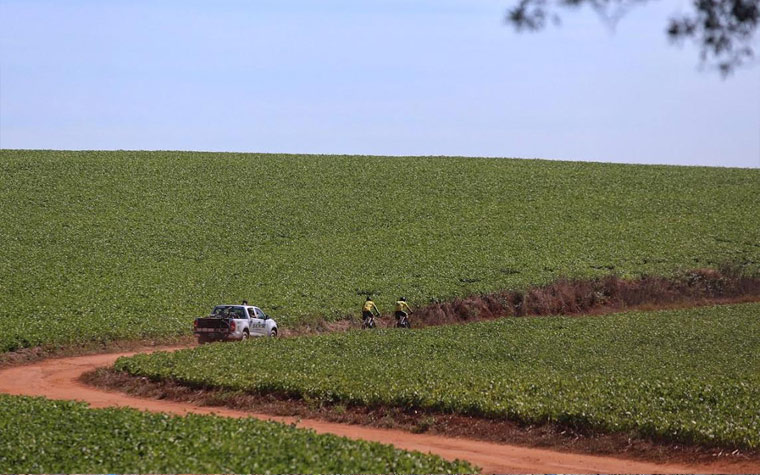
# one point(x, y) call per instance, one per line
point(98, 246)
point(690, 376)
point(42, 436)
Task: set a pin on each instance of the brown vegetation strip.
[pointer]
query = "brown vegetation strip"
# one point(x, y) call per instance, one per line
point(434, 423)
point(603, 295)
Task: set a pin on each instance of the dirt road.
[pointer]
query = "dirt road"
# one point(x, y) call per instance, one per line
point(58, 379)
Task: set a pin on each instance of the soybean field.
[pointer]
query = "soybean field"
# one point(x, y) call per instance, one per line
point(101, 246)
point(46, 436)
point(690, 376)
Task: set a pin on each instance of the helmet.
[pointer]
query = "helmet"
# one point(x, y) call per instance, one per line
point(403, 299)
point(368, 299)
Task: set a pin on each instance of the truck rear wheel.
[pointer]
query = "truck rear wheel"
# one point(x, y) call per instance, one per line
point(245, 335)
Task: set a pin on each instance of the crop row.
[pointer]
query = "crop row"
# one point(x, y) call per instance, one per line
point(98, 246)
point(689, 375)
point(43, 436)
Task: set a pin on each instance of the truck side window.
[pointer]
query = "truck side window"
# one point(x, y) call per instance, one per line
point(259, 313)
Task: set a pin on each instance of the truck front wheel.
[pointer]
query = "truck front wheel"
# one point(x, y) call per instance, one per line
point(273, 333)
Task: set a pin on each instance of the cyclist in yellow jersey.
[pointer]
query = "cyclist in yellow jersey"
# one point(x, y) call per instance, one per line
point(369, 309)
point(402, 309)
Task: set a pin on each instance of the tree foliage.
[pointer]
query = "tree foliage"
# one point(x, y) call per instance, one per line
point(723, 29)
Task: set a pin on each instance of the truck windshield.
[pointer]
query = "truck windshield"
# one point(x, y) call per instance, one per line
point(228, 311)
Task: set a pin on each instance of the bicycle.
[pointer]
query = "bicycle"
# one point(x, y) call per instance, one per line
point(403, 321)
point(369, 322)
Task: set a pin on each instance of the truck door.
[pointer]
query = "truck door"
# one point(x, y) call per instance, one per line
point(258, 326)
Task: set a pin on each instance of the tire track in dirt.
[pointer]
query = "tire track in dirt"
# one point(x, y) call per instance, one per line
point(59, 379)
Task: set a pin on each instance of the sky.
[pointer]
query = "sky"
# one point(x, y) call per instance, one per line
point(371, 77)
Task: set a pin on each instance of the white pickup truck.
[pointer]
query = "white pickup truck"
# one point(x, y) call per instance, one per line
point(234, 322)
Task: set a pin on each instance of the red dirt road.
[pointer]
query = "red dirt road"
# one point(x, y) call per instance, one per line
point(58, 379)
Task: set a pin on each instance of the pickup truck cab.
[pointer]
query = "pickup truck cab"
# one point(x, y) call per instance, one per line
point(234, 322)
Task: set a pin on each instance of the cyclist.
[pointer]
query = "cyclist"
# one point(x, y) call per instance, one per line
point(402, 310)
point(368, 310)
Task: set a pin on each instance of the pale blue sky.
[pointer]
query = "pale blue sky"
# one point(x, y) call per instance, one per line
point(386, 77)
